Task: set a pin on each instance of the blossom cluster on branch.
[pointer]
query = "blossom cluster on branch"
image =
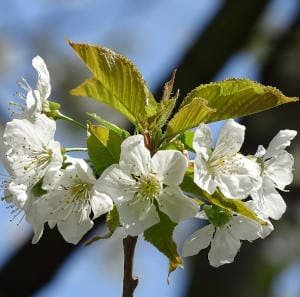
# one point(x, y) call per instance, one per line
point(148, 182)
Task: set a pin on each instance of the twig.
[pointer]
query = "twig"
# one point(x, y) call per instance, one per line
point(130, 282)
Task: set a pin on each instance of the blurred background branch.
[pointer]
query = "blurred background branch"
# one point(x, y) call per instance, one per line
point(237, 26)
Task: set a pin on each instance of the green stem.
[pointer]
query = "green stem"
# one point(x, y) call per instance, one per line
point(75, 149)
point(61, 116)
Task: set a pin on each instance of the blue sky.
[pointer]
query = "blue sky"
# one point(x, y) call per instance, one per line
point(154, 34)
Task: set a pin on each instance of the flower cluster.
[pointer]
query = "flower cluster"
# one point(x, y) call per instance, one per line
point(55, 189)
point(236, 176)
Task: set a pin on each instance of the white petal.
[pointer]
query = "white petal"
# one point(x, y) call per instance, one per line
point(43, 83)
point(84, 171)
point(202, 177)
point(135, 157)
point(280, 169)
point(137, 217)
point(116, 183)
point(202, 141)
point(266, 229)
point(52, 171)
point(37, 214)
point(224, 247)
point(169, 166)
point(201, 215)
point(33, 103)
point(244, 229)
point(256, 206)
point(260, 152)
point(37, 134)
point(280, 142)
point(18, 192)
point(239, 178)
point(272, 204)
point(198, 241)
point(75, 225)
point(44, 128)
point(100, 203)
point(176, 205)
point(230, 139)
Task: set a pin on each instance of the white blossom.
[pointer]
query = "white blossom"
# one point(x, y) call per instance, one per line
point(36, 99)
point(70, 201)
point(31, 153)
point(223, 167)
point(277, 172)
point(141, 183)
point(31, 156)
point(225, 240)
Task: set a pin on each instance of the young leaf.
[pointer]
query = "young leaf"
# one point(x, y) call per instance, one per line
point(116, 82)
point(161, 236)
point(188, 116)
point(233, 205)
point(121, 132)
point(234, 98)
point(112, 222)
point(104, 147)
point(187, 139)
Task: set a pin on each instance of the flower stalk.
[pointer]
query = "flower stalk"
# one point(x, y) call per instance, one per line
point(60, 116)
point(130, 281)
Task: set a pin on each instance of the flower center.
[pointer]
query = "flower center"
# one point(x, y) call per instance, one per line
point(79, 192)
point(148, 187)
point(38, 159)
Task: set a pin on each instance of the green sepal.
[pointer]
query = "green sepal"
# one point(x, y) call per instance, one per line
point(218, 216)
point(173, 145)
point(53, 105)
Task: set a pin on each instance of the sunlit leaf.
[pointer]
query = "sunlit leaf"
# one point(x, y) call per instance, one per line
point(234, 98)
point(104, 147)
point(233, 205)
point(116, 82)
point(187, 139)
point(161, 236)
point(188, 116)
point(121, 132)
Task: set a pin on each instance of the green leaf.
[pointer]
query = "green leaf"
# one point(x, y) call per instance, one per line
point(116, 81)
point(104, 147)
point(161, 236)
point(173, 145)
point(112, 222)
point(121, 132)
point(234, 98)
point(188, 116)
point(37, 190)
point(217, 198)
point(166, 106)
point(187, 139)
